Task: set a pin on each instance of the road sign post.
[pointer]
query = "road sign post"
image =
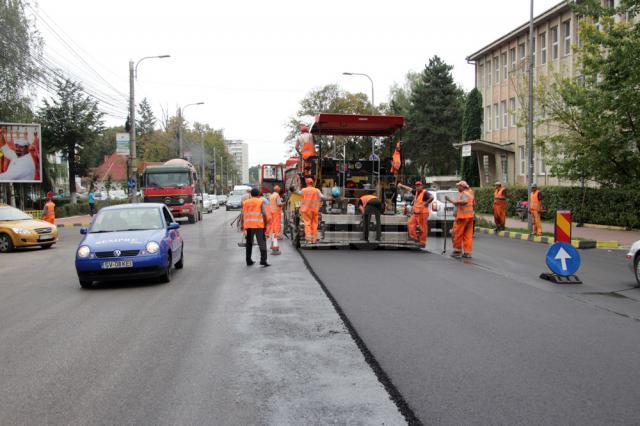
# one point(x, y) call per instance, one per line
point(564, 261)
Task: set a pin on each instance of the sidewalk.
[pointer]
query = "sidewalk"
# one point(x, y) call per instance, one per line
point(73, 221)
point(625, 238)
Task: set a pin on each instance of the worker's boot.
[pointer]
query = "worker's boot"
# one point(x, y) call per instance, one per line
point(456, 254)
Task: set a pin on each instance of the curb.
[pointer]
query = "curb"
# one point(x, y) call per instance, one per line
point(579, 244)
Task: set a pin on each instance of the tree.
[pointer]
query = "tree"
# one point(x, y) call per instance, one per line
point(434, 120)
point(254, 174)
point(598, 114)
point(145, 126)
point(472, 130)
point(70, 123)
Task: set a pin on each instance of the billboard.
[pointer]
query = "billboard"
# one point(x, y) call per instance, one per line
point(122, 143)
point(20, 153)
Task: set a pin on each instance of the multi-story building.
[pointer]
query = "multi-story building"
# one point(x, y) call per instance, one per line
point(240, 152)
point(501, 77)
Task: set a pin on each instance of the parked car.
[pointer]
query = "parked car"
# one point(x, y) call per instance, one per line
point(522, 210)
point(633, 256)
point(222, 199)
point(214, 201)
point(437, 210)
point(206, 204)
point(18, 229)
point(129, 241)
point(234, 202)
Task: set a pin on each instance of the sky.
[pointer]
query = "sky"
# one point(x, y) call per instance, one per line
point(252, 62)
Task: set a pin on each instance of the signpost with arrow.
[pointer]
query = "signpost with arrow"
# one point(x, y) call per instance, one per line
point(563, 260)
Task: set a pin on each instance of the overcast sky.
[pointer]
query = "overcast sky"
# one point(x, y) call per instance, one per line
point(252, 61)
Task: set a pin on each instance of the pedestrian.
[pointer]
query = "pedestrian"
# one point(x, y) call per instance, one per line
point(254, 222)
point(306, 148)
point(370, 205)
point(417, 226)
point(21, 164)
point(500, 206)
point(535, 207)
point(310, 210)
point(49, 210)
point(92, 201)
point(463, 223)
point(245, 196)
point(275, 225)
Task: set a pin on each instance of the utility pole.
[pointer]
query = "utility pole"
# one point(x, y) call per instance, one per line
point(180, 152)
point(532, 59)
point(202, 159)
point(132, 135)
point(215, 177)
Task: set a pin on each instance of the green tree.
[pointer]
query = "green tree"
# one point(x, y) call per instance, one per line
point(472, 130)
point(254, 174)
point(598, 114)
point(145, 126)
point(70, 123)
point(434, 120)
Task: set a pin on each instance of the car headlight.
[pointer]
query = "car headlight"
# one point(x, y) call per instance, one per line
point(84, 251)
point(21, 231)
point(152, 247)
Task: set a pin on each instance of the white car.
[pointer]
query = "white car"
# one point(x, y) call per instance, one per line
point(634, 260)
point(437, 210)
point(207, 206)
point(214, 201)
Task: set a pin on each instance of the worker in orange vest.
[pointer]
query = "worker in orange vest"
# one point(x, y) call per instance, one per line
point(306, 148)
point(309, 209)
point(275, 225)
point(370, 205)
point(396, 160)
point(535, 207)
point(49, 211)
point(254, 222)
point(500, 206)
point(463, 224)
point(418, 222)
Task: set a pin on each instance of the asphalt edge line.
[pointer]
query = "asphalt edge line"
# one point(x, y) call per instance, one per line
point(579, 244)
point(393, 392)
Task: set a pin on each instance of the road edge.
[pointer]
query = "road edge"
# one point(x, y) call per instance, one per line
point(579, 244)
point(393, 392)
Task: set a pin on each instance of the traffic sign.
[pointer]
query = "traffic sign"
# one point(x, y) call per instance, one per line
point(131, 183)
point(562, 229)
point(563, 259)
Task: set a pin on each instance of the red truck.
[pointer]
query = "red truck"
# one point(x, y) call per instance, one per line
point(175, 183)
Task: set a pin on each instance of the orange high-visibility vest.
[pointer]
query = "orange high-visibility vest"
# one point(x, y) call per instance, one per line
point(252, 213)
point(420, 204)
point(308, 147)
point(465, 211)
point(310, 199)
point(273, 203)
point(396, 162)
point(50, 216)
point(536, 205)
point(499, 198)
point(366, 198)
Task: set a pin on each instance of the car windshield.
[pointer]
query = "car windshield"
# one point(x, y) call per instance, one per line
point(167, 179)
point(127, 219)
point(11, 213)
point(451, 194)
point(235, 199)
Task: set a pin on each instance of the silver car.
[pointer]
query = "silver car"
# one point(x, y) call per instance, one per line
point(437, 210)
point(634, 260)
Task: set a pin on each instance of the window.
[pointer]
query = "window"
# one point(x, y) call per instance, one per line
point(554, 43)
point(523, 160)
point(512, 108)
point(512, 56)
point(543, 48)
point(523, 51)
point(496, 65)
point(480, 75)
point(533, 51)
point(487, 118)
point(542, 168)
point(488, 73)
point(505, 117)
point(567, 37)
point(610, 4)
point(496, 116)
point(505, 69)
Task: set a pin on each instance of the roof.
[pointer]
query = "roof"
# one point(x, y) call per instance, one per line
point(488, 146)
point(519, 31)
point(356, 124)
point(133, 206)
point(114, 165)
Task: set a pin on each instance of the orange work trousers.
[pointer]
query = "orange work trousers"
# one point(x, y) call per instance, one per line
point(500, 215)
point(275, 226)
point(537, 223)
point(310, 219)
point(49, 218)
point(463, 235)
point(418, 219)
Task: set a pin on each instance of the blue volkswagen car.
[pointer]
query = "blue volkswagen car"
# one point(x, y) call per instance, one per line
point(130, 241)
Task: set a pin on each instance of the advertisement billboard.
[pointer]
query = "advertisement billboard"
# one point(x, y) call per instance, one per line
point(20, 153)
point(122, 143)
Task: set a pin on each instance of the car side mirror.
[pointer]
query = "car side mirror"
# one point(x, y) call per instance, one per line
point(173, 225)
point(83, 230)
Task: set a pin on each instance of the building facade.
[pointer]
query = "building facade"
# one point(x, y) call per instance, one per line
point(240, 152)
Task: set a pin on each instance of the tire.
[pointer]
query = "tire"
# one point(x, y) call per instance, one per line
point(180, 263)
point(6, 245)
point(192, 218)
point(166, 275)
point(636, 268)
point(46, 246)
point(86, 284)
point(199, 215)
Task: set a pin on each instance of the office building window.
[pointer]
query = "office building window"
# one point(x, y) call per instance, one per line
point(487, 118)
point(496, 116)
point(567, 37)
point(512, 110)
point(488, 73)
point(523, 51)
point(496, 66)
point(523, 160)
point(512, 56)
point(505, 67)
point(542, 168)
point(554, 43)
point(543, 48)
point(505, 116)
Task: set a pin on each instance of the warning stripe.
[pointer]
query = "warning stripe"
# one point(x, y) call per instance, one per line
point(563, 228)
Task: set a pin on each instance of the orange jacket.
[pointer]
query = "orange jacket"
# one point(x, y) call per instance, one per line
point(498, 197)
point(50, 215)
point(310, 199)
point(273, 203)
point(465, 211)
point(308, 147)
point(252, 213)
point(366, 198)
point(535, 205)
point(420, 204)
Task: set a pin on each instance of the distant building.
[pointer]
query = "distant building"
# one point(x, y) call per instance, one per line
point(240, 152)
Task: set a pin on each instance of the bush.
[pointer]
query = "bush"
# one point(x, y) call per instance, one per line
point(601, 206)
point(82, 207)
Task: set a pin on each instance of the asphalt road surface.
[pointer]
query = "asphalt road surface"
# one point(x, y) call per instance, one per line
point(221, 344)
point(486, 341)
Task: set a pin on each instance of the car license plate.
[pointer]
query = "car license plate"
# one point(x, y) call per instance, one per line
point(45, 238)
point(117, 264)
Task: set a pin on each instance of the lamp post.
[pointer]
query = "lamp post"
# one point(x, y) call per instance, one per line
point(133, 74)
point(532, 59)
point(180, 114)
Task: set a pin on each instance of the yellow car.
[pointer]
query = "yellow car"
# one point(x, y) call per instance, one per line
point(18, 229)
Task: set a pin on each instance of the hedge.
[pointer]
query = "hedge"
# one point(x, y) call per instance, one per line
point(82, 207)
point(601, 206)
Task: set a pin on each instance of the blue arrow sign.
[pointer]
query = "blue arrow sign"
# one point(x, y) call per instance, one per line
point(131, 183)
point(563, 259)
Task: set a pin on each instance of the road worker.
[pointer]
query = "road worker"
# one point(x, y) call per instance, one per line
point(306, 148)
point(418, 222)
point(254, 221)
point(309, 209)
point(463, 224)
point(370, 205)
point(535, 208)
point(275, 224)
point(500, 206)
point(49, 211)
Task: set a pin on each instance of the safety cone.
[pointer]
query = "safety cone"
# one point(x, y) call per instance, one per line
point(275, 249)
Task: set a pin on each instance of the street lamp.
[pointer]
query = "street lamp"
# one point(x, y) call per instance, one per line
point(532, 59)
point(133, 74)
point(180, 112)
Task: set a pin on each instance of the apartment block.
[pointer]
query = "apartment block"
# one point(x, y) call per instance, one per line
point(240, 152)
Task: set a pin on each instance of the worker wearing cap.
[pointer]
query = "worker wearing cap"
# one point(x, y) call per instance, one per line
point(306, 147)
point(463, 224)
point(535, 207)
point(21, 164)
point(370, 205)
point(275, 208)
point(500, 206)
point(254, 221)
point(418, 222)
point(49, 211)
point(310, 210)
